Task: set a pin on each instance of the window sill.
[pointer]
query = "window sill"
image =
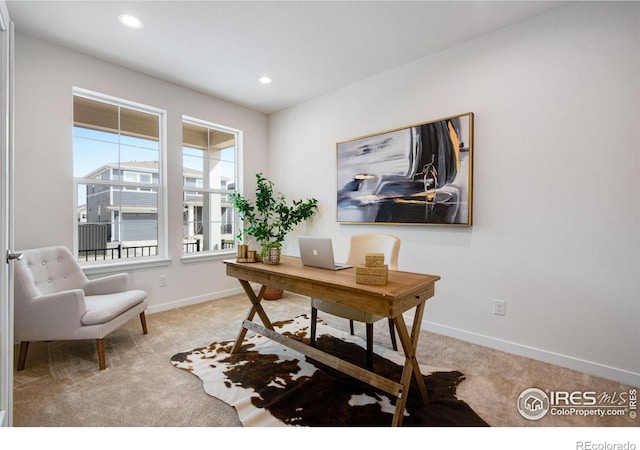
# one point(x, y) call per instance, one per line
point(101, 267)
point(189, 259)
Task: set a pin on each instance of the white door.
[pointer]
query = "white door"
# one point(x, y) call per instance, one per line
point(6, 223)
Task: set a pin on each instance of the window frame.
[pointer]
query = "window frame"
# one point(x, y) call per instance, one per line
point(202, 190)
point(161, 258)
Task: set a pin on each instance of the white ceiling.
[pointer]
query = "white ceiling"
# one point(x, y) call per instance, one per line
point(309, 48)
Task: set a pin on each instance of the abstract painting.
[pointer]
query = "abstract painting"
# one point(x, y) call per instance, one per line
point(421, 174)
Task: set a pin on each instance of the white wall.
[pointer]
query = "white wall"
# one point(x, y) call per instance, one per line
point(556, 187)
point(44, 215)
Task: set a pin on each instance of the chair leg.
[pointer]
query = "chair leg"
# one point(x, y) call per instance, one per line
point(143, 321)
point(22, 358)
point(314, 319)
point(370, 346)
point(101, 358)
point(392, 332)
point(351, 326)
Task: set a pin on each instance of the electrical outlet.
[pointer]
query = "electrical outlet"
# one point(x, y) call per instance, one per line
point(499, 307)
point(163, 280)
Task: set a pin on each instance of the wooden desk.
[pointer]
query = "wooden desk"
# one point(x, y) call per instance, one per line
point(405, 290)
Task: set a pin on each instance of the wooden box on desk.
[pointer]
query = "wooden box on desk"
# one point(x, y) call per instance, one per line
point(374, 259)
point(376, 276)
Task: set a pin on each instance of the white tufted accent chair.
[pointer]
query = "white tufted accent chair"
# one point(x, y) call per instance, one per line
point(55, 301)
point(360, 245)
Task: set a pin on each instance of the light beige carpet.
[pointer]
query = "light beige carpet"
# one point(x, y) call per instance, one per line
point(62, 386)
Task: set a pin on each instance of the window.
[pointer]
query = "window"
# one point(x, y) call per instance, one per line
point(117, 168)
point(209, 155)
point(137, 177)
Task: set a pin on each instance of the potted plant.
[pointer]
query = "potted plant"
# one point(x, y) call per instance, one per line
point(270, 217)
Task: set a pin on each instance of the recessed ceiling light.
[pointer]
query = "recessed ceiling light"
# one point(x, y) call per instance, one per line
point(130, 21)
point(265, 80)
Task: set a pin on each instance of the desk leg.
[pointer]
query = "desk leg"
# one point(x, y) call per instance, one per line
point(415, 337)
point(255, 308)
point(411, 366)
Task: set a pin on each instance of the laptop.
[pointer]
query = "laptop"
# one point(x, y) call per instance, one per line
point(318, 252)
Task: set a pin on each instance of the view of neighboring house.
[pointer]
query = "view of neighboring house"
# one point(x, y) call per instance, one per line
point(116, 216)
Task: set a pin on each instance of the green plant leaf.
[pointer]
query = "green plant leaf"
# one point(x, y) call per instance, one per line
point(270, 218)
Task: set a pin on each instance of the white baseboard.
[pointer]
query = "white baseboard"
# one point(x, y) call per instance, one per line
point(600, 370)
point(193, 300)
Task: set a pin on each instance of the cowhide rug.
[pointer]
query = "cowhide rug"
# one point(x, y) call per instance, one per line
point(272, 385)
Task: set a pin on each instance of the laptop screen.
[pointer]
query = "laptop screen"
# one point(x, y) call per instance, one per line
point(318, 252)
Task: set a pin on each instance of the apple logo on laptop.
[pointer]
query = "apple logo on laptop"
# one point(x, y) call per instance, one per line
point(315, 252)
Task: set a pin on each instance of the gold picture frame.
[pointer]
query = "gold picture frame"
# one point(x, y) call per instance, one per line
point(421, 174)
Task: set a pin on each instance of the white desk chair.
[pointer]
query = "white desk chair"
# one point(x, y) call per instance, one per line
point(361, 244)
